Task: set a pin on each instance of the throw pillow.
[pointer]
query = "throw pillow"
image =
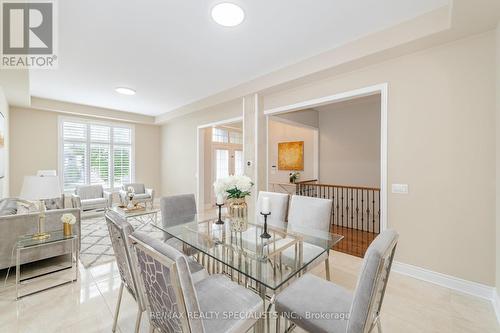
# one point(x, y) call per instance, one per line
point(56, 203)
point(8, 206)
point(23, 208)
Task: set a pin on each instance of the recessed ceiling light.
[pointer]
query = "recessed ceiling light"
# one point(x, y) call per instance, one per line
point(228, 14)
point(125, 91)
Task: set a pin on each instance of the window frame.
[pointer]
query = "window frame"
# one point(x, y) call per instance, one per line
point(88, 142)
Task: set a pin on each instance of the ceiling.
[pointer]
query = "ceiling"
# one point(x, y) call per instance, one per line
point(173, 54)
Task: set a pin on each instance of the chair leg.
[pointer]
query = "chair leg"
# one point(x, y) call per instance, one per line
point(327, 269)
point(118, 303)
point(138, 320)
point(278, 322)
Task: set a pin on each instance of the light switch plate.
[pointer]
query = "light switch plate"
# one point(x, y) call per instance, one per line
point(400, 188)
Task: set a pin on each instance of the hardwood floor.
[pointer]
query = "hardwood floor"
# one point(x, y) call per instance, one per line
point(355, 242)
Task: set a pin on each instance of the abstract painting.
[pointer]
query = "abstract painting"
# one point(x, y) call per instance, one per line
point(291, 156)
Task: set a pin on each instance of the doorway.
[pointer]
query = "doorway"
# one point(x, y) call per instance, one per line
point(220, 154)
point(352, 172)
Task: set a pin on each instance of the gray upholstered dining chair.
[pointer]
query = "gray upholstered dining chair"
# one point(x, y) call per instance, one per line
point(279, 207)
point(119, 232)
point(176, 303)
point(308, 213)
point(344, 312)
point(176, 209)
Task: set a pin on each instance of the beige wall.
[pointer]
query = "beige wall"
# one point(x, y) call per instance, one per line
point(34, 146)
point(441, 141)
point(309, 117)
point(286, 132)
point(178, 137)
point(498, 159)
point(4, 109)
point(349, 151)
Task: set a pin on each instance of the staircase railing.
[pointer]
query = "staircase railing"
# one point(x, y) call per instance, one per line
point(354, 207)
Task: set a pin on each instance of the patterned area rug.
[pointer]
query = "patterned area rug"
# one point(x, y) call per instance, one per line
point(96, 245)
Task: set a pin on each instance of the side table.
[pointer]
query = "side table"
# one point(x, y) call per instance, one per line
point(28, 243)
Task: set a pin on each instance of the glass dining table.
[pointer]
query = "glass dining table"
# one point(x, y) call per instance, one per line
point(237, 249)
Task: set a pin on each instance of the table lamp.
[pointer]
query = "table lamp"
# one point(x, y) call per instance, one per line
point(36, 188)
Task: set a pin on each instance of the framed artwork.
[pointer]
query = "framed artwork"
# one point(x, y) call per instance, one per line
point(291, 156)
point(2, 146)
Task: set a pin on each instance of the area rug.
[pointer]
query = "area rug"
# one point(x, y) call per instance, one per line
point(96, 248)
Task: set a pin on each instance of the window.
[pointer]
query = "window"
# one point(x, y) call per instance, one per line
point(222, 163)
point(238, 163)
point(95, 153)
point(236, 138)
point(220, 135)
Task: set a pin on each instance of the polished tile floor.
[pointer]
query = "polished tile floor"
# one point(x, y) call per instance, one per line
point(88, 305)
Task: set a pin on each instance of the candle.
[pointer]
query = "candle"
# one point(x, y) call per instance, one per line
point(266, 206)
point(220, 199)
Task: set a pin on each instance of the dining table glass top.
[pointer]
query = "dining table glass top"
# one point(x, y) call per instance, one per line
point(237, 246)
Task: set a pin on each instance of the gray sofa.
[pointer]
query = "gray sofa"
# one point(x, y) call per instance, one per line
point(13, 226)
point(91, 197)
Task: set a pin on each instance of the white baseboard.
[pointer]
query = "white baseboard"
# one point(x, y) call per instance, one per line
point(447, 281)
point(496, 305)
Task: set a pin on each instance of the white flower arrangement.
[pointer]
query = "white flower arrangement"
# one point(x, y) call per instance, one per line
point(131, 189)
point(68, 218)
point(233, 187)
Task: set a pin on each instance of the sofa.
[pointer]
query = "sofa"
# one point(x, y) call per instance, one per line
point(142, 194)
point(16, 225)
point(91, 197)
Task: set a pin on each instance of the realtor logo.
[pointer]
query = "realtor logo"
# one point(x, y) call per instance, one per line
point(28, 34)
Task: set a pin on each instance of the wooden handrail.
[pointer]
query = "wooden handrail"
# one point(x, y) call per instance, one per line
point(308, 182)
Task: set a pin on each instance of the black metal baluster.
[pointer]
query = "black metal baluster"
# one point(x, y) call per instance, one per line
point(357, 209)
point(342, 205)
point(373, 210)
point(362, 210)
point(379, 217)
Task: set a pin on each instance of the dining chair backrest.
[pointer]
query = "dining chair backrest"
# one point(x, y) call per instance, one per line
point(310, 212)
point(175, 207)
point(372, 282)
point(279, 207)
point(119, 230)
point(168, 285)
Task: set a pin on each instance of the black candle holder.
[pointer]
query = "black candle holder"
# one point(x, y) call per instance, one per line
point(219, 221)
point(265, 234)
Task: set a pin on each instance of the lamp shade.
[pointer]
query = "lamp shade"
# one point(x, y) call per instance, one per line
point(39, 188)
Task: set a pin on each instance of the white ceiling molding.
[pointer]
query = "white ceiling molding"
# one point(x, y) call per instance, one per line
point(89, 111)
point(174, 54)
point(460, 19)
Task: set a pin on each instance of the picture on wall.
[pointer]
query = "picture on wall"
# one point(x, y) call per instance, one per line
point(291, 156)
point(2, 146)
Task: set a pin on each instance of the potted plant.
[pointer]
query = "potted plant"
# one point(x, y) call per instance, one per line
point(294, 176)
point(68, 220)
point(235, 189)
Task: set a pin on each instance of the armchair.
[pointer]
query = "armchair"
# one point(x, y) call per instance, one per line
point(91, 197)
point(142, 194)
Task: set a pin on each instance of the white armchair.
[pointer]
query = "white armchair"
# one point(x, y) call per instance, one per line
point(91, 197)
point(142, 194)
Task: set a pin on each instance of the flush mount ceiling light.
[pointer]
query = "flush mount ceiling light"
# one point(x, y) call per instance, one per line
point(125, 91)
point(228, 14)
